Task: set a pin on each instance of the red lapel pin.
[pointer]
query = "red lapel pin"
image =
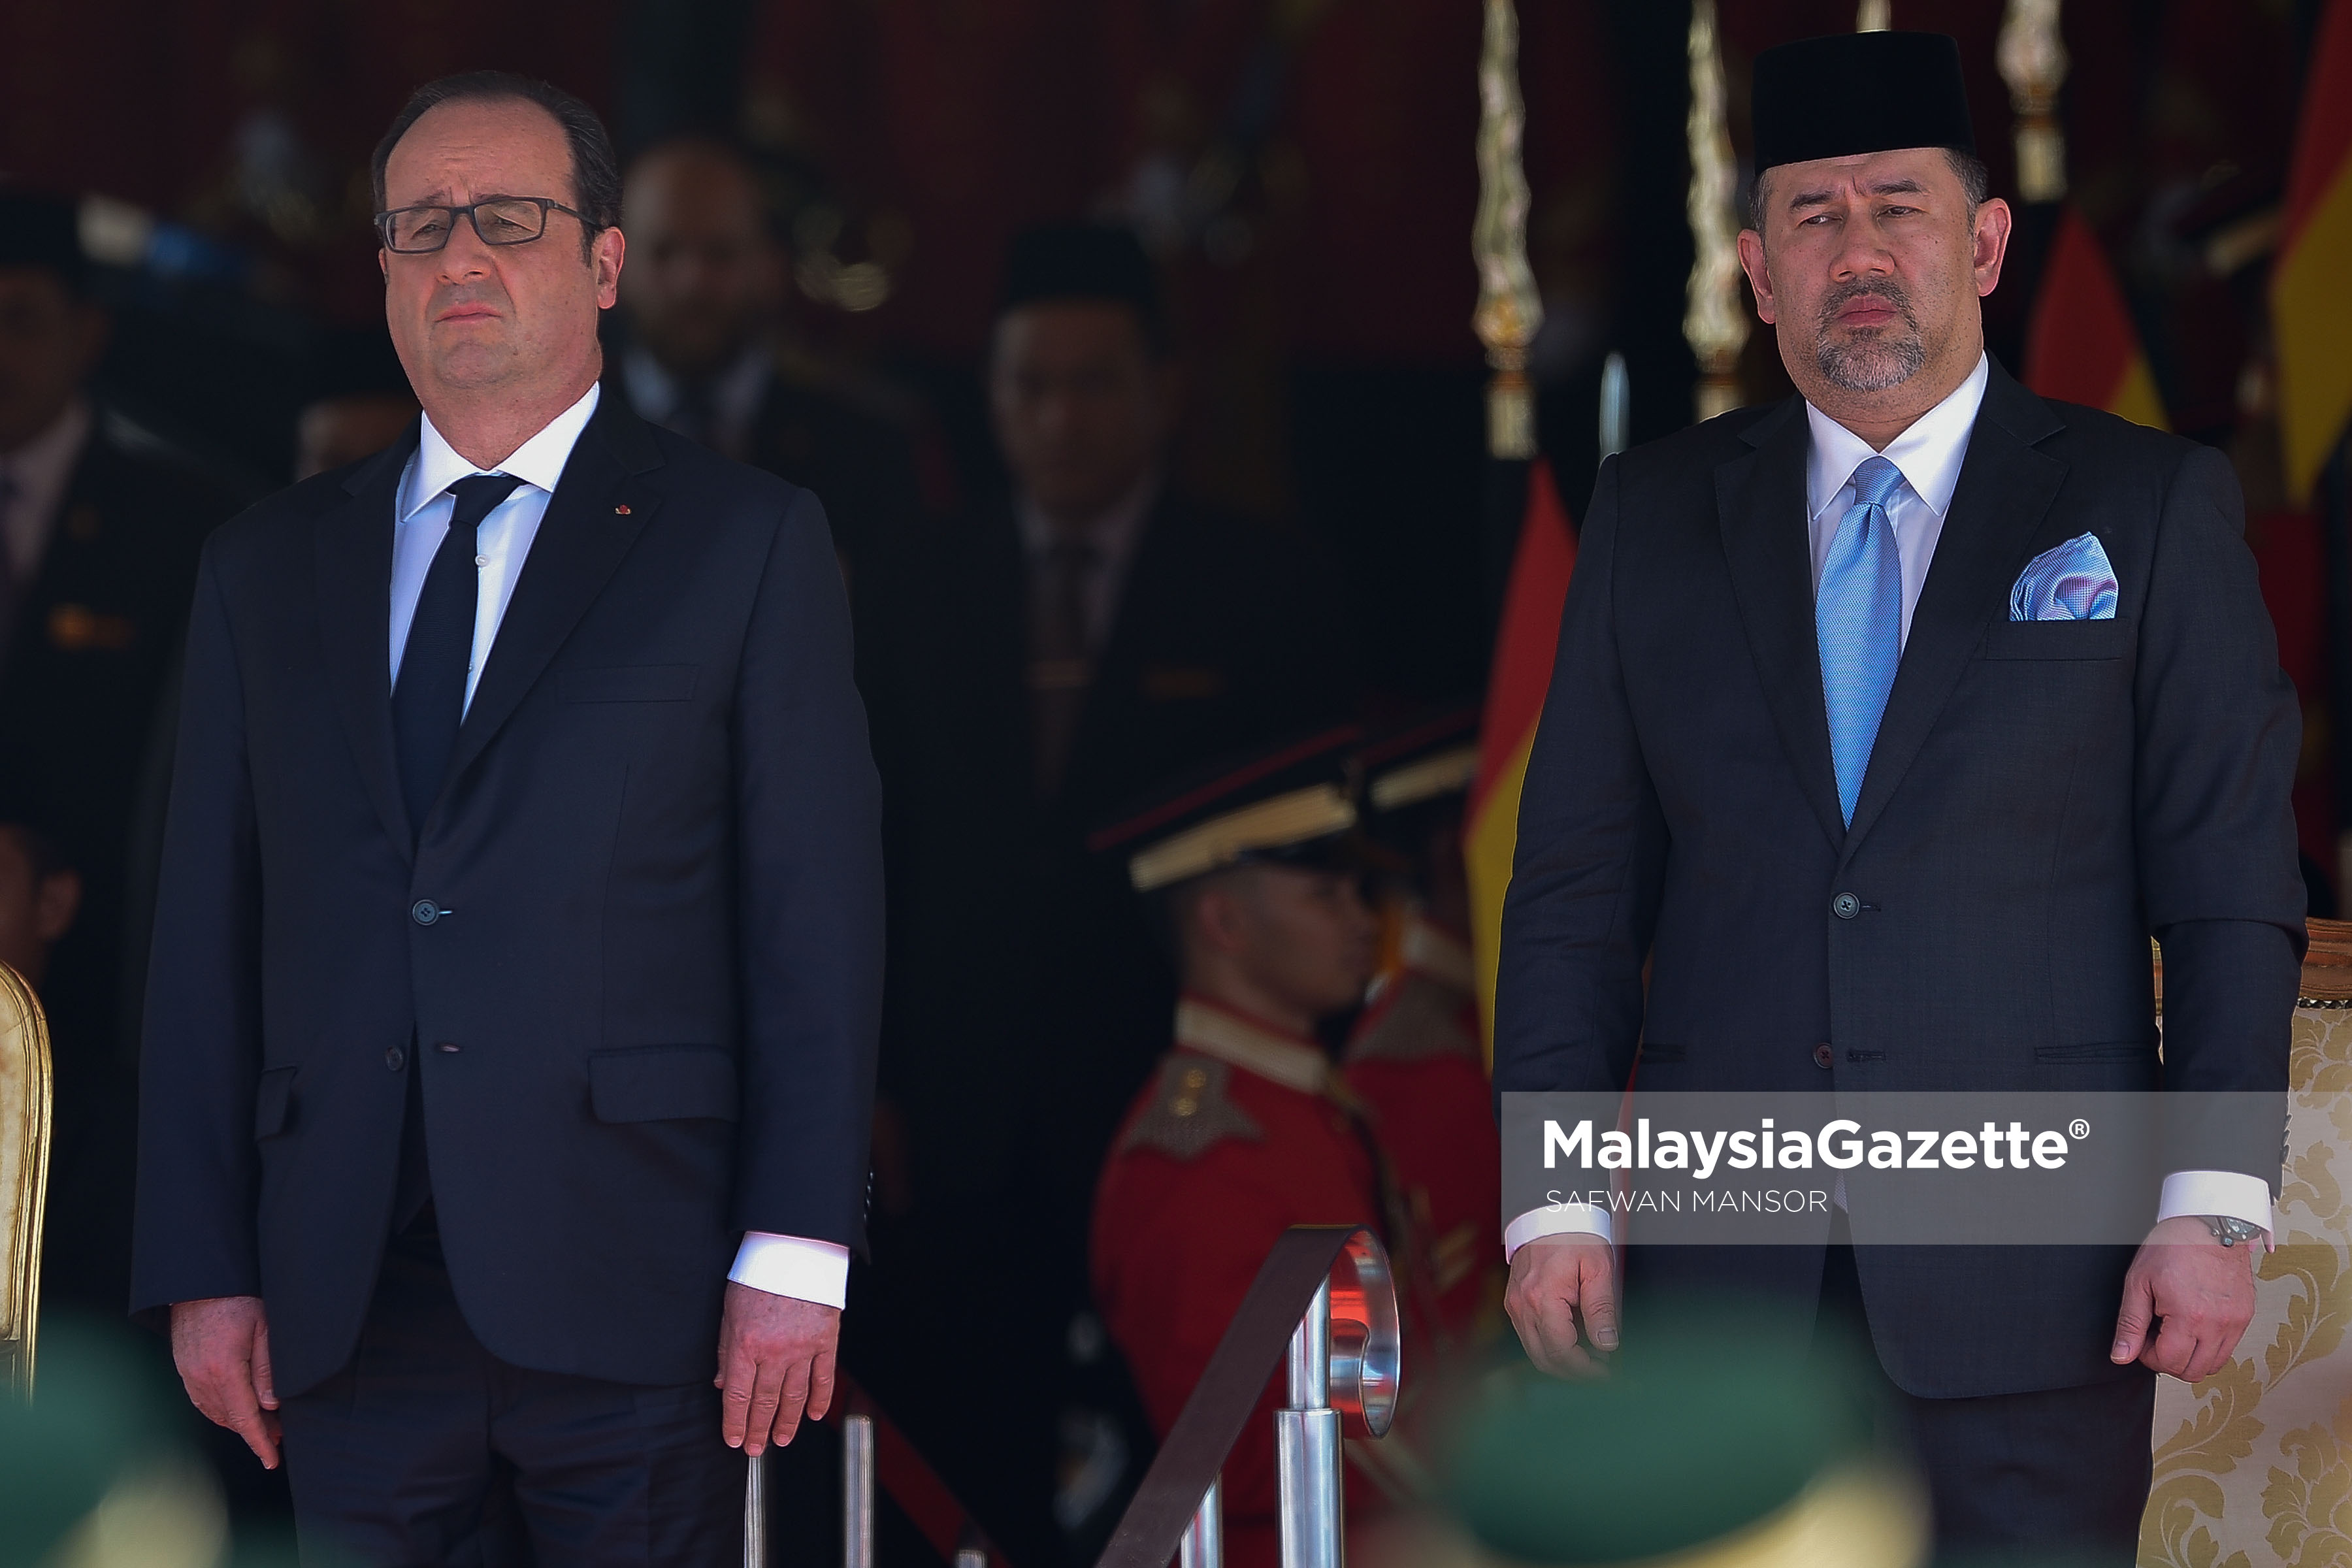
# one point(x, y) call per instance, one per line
point(621, 510)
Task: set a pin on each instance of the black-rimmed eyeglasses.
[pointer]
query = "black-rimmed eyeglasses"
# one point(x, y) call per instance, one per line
point(497, 220)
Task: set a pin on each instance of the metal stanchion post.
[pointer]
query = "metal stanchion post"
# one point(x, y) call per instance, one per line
point(755, 1512)
point(1203, 1545)
point(857, 1492)
point(1306, 1444)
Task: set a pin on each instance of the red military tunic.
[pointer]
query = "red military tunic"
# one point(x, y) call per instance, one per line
point(1415, 1063)
point(1237, 1139)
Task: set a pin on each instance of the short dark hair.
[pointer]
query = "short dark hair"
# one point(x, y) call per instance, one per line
point(1094, 262)
point(595, 170)
point(42, 229)
point(1976, 183)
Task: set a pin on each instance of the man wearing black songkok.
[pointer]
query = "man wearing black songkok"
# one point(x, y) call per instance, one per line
point(1888, 724)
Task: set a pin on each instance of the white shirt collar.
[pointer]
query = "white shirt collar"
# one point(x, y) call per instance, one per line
point(1929, 453)
point(41, 466)
point(1113, 530)
point(538, 462)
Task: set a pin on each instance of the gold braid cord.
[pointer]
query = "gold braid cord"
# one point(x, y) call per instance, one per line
point(2032, 59)
point(1716, 319)
point(1509, 310)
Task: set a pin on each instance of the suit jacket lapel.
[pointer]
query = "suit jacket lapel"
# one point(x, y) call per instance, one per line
point(353, 552)
point(580, 543)
point(1760, 507)
point(2006, 486)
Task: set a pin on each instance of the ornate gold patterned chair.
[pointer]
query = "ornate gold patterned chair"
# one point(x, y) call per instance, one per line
point(2253, 1465)
point(23, 1173)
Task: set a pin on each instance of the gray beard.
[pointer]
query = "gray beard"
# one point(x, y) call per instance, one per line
point(1869, 364)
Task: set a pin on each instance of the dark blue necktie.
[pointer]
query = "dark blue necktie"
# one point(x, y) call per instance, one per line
point(428, 700)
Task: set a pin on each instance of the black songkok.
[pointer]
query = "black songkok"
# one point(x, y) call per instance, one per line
point(37, 229)
point(1082, 262)
point(1860, 92)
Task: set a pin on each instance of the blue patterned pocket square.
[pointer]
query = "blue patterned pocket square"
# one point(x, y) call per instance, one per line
point(2070, 582)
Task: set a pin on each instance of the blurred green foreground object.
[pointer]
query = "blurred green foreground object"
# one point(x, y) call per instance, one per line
point(1696, 1451)
point(88, 1476)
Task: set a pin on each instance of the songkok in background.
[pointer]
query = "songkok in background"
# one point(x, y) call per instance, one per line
point(37, 229)
point(1082, 262)
point(1851, 93)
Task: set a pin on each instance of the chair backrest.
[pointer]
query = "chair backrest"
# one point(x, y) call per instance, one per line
point(23, 1173)
point(2248, 1463)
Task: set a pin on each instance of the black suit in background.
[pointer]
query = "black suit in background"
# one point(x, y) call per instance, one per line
point(2040, 799)
point(1225, 634)
point(862, 465)
point(96, 636)
point(1027, 998)
point(633, 951)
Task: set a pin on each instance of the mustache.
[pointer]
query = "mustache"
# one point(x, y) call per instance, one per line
point(1894, 293)
point(469, 294)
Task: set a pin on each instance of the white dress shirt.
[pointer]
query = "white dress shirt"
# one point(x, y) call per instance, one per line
point(1929, 453)
point(37, 474)
point(781, 1265)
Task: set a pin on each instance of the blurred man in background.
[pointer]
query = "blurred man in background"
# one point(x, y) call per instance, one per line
point(1413, 1056)
point(99, 536)
point(704, 296)
point(1033, 665)
point(358, 402)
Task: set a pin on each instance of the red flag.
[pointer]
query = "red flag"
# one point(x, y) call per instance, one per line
point(2082, 346)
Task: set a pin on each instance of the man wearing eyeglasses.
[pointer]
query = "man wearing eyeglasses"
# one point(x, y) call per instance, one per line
point(509, 1041)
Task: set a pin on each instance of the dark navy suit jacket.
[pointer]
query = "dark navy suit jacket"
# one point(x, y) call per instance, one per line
point(2042, 798)
point(635, 950)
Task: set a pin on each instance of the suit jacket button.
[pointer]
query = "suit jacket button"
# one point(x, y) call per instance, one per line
point(1823, 1056)
point(395, 1058)
point(1846, 906)
point(424, 912)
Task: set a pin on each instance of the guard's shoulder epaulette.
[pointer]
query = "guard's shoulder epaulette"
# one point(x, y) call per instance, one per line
point(1191, 1111)
point(1422, 1021)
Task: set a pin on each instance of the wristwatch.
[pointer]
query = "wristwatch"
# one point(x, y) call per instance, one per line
point(2229, 1229)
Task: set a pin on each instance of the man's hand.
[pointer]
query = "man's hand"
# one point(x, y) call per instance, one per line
point(221, 1345)
point(2204, 1291)
point(776, 1362)
point(1555, 1280)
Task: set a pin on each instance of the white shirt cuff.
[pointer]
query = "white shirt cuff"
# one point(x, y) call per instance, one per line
point(1555, 1219)
point(2232, 1194)
point(793, 1265)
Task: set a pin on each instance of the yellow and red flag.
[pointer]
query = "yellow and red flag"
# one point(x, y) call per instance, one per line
point(2311, 282)
point(2082, 346)
point(1524, 646)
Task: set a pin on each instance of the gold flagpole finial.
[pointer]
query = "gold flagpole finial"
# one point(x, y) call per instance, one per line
point(1509, 310)
point(2032, 59)
point(1715, 322)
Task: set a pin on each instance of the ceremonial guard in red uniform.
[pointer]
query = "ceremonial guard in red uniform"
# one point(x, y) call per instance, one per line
point(1247, 1128)
point(1414, 1057)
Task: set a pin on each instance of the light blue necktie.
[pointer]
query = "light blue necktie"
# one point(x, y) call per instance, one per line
point(1858, 618)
